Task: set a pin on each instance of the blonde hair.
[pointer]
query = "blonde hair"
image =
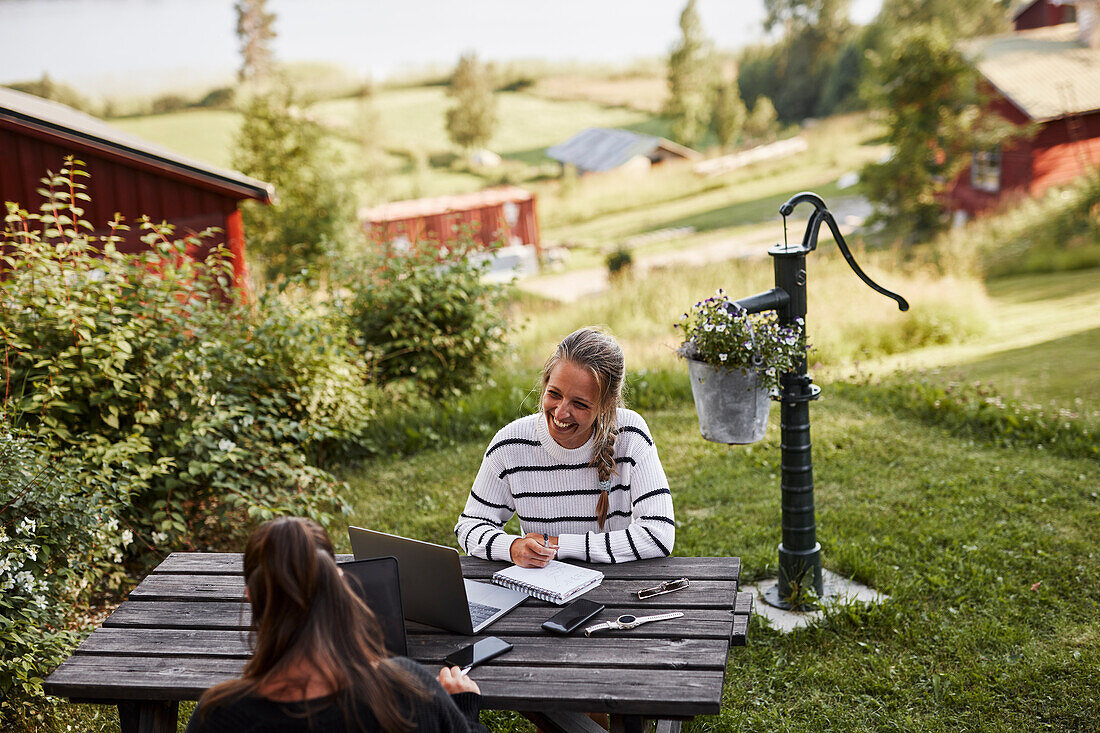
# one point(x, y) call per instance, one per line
point(599, 353)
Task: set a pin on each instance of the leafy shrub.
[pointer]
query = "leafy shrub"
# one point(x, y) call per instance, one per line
point(218, 98)
point(427, 314)
point(166, 103)
point(191, 414)
point(47, 531)
point(619, 262)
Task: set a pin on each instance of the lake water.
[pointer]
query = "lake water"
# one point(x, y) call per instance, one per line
point(118, 47)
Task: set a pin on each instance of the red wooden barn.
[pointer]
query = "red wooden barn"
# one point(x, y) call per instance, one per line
point(506, 213)
point(1048, 77)
point(1041, 13)
point(128, 175)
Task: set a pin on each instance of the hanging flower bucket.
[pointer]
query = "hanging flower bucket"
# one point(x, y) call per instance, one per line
point(732, 404)
point(734, 361)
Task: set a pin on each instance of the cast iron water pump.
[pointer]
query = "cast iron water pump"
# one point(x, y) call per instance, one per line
point(799, 551)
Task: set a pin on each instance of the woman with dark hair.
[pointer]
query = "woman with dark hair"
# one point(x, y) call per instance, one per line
point(319, 663)
point(582, 473)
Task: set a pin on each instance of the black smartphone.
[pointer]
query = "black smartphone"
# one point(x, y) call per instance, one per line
point(478, 652)
point(572, 616)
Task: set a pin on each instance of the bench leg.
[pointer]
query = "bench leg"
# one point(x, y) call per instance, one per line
point(560, 721)
point(627, 724)
point(148, 716)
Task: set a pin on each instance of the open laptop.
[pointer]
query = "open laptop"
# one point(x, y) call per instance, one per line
point(378, 584)
point(432, 587)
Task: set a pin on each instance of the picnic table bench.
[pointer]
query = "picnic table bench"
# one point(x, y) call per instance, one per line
point(184, 628)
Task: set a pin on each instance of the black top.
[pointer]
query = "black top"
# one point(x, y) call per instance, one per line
point(436, 712)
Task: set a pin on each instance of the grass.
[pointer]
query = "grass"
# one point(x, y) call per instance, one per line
point(987, 554)
point(641, 311)
point(986, 551)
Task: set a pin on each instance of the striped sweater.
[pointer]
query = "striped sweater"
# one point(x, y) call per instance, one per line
point(554, 490)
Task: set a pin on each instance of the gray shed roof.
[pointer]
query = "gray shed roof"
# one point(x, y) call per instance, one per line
point(603, 149)
point(1046, 72)
point(63, 122)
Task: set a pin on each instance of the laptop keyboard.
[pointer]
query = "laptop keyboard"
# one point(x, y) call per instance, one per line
point(480, 612)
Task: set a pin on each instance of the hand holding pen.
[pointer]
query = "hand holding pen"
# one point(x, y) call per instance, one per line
point(535, 550)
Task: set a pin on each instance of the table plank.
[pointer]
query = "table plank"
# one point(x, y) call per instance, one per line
point(653, 693)
point(699, 594)
point(532, 651)
point(697, 623)
point(697, 568)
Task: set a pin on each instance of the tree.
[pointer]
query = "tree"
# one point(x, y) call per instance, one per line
point(929, 96)
point(471, 121)
point(302, 229)
point(255, 30)
point(760, 123)
point(691, 71)
point(813, 33)
point(729, 114)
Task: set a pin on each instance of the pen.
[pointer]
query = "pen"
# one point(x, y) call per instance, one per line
point(545, 540)
point(465, 671)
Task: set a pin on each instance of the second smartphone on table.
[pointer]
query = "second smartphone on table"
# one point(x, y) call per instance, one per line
point(572, 616)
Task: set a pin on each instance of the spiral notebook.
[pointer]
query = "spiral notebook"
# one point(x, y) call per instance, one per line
point(558, 582)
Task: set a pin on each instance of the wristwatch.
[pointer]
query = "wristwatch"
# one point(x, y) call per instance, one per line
point(629, 622)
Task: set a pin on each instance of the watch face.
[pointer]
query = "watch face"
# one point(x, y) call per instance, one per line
point(627, 619)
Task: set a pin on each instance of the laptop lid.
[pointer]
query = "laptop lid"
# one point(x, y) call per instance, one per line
point(377, 582)
point(432, 588)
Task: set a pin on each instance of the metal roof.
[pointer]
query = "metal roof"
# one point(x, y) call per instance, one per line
point(414, 208)
point(602, 149)
point(61, 122)
point(1046, 72)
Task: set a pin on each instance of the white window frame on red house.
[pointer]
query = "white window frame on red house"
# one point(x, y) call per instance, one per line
point(985, 170)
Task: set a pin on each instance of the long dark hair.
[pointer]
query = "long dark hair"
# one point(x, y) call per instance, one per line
point(600, 354)
point(302, 612)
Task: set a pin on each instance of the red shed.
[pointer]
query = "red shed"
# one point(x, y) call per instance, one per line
point(128, 175)
point(1041, 13)
point(507, 212)
point(1048, 77)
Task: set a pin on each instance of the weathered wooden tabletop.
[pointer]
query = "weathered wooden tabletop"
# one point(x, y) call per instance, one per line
point(184, 628)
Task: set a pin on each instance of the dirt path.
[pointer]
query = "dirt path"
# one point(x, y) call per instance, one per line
point(576, 284)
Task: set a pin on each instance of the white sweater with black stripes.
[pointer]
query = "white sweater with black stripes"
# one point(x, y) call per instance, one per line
point(554, 490)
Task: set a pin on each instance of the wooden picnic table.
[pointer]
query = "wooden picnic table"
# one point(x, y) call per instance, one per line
point(184, 628)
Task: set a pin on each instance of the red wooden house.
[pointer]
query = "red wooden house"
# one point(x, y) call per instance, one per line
point(1030, 14)
point(1049, 78)
point(491, 215)
point(128, 175)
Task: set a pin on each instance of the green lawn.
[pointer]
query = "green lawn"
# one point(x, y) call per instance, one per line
point(987, 552)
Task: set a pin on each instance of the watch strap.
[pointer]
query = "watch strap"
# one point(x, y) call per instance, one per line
point(597, 627)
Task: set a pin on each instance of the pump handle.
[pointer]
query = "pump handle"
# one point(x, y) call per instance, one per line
point(822, 215)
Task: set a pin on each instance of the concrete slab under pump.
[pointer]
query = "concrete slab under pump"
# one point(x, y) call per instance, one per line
point(838, 590)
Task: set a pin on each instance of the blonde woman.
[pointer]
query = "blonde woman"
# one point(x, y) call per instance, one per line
point(582, 473)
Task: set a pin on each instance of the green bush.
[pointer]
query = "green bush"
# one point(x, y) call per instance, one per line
point(428, 315)
point(48, 530)
point(193, 415)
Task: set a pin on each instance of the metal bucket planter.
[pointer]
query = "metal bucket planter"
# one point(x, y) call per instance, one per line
point(732, 404)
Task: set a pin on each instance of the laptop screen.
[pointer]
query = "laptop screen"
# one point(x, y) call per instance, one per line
point(376, 582)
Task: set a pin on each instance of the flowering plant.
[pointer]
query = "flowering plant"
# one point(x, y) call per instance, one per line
point(719, 332)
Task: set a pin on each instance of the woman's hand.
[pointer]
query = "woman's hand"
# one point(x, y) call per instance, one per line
point(454, 681)
point(530, 552)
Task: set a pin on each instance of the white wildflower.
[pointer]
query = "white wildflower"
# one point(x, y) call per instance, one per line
point(708, 327)
point(160, 537)
point(28, 526)
point(225, 445)
point(721, 327)
point(127, 538)
point(723, 357)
